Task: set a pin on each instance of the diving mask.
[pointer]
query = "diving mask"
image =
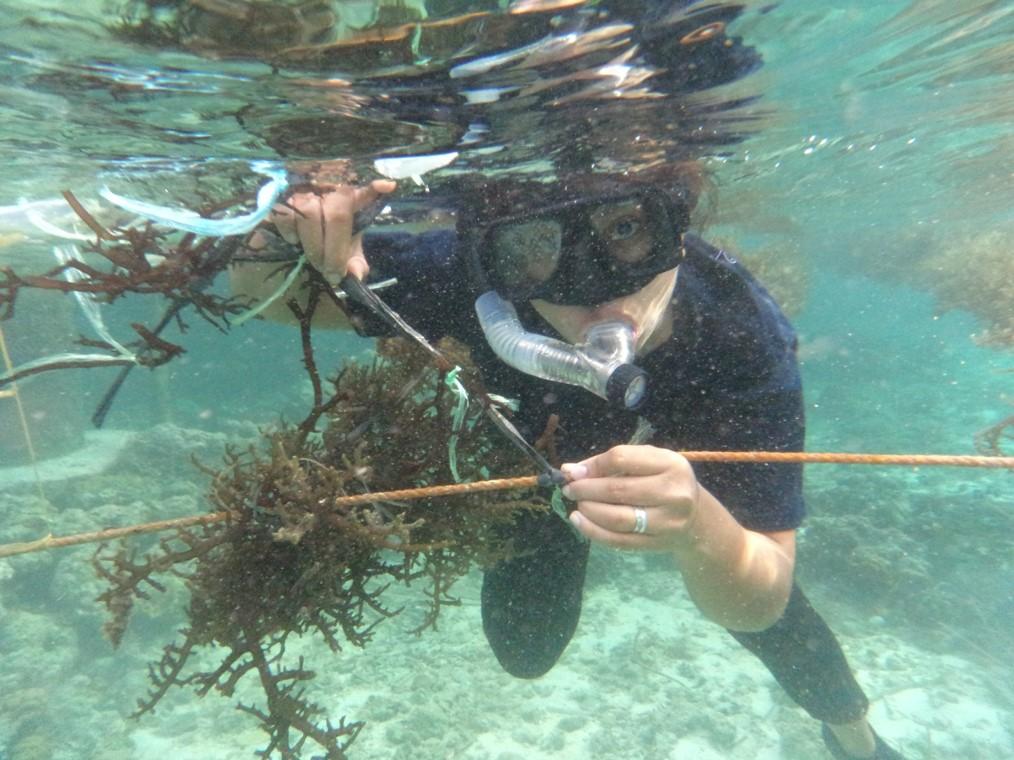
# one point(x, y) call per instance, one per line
point(580, 251)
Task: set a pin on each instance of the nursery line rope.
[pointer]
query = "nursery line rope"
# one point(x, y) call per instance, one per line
point(529, 481)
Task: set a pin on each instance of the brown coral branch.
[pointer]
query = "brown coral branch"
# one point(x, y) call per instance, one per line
point(305, 318)
point(230, 669)
point(128, 578)
point(546, 442)
point(288, 711)
point(166, 674)
point(159, 351)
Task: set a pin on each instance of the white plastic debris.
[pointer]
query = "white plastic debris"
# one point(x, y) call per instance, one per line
point(400, 167)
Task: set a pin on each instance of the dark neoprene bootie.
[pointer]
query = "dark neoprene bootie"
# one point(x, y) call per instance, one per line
point(880, 752)
point(531, 603)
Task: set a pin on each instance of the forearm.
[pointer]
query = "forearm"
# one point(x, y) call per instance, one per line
point(255, 283)
point(738, 578)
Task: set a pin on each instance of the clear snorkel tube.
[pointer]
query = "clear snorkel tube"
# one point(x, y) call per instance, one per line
point(600, 364)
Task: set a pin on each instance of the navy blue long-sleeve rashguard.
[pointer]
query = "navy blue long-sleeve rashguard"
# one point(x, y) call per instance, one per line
point(727, 379)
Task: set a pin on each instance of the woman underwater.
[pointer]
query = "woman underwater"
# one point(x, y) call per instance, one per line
point(597, 306)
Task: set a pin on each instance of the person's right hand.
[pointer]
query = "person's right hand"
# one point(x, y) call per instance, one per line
point(321, 222)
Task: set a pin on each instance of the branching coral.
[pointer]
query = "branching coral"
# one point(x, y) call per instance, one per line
point(992, 440)
point(289, 562)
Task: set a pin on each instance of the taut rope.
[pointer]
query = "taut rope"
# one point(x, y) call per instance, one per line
point(530, 481)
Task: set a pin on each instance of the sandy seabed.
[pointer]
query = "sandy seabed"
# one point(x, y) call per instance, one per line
point(643, 678)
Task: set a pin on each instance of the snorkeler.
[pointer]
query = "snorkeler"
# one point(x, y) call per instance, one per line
point(590, 303)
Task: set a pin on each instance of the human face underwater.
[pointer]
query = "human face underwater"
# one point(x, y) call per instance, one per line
point(621, 255)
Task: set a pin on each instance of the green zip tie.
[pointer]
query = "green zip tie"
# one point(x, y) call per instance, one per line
point(558, 505)
point(458, 419)
point(290, 278)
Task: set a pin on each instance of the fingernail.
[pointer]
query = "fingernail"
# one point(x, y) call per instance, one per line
point(575, 471)
point(575, 519)
point(566, 490)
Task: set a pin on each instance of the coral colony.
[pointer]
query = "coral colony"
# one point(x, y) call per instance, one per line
point(287, 561)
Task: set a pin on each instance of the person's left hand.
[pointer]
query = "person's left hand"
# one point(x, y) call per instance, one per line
point(612, 487)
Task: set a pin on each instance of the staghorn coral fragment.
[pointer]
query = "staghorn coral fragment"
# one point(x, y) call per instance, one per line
point(992, 441)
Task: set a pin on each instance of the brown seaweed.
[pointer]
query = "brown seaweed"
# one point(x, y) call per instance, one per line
point(289, 563)
point(144, 260)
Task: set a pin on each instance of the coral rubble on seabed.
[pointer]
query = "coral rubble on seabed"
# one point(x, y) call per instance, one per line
point(924, 556)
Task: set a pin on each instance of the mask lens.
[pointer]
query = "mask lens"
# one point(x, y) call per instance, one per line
point(583, 251)
point(525, 254)
point(624, 230)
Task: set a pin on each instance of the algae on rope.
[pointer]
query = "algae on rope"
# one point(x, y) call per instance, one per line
point(289, 563)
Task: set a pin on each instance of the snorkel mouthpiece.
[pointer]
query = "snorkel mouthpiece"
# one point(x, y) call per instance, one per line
point(627, 387)
point(601, 364)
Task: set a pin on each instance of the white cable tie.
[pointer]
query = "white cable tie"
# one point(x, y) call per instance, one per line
point(190, 221)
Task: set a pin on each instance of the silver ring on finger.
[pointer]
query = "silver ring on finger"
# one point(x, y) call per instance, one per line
point(640, 520)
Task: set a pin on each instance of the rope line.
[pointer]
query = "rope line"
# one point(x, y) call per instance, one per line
point(57, 542)
point(528, 481)
point(816, 457)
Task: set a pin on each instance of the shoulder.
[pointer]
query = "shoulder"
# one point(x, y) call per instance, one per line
point(431, 288)
point(731, 326)
point(733, 384)
point(721, 278)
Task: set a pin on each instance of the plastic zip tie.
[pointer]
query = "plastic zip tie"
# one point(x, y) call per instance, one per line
point(458, 419)
point(89, 306)
point(510, 403)
point(49, 228)
point(190, 221)
point(286, 283)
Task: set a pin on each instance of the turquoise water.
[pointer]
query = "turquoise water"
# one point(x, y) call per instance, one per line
point(872, 185)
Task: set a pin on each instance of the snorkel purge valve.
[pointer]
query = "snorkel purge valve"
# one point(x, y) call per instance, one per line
point(601, 364)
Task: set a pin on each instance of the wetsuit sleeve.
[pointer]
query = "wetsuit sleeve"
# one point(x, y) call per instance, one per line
point(739, 389)
point(763, 497)
point(431, 291)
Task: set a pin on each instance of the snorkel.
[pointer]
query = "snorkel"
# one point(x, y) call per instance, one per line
point(601, 363)
point(564, 248)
